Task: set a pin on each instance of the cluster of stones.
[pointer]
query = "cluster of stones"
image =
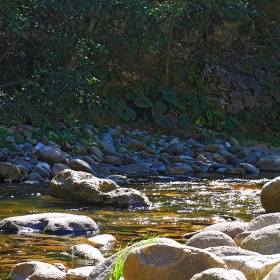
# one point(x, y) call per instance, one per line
point(88, 172)
point(223, 251)
point(126, 153)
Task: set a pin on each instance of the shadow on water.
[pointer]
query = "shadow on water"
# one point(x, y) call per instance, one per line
point(180, 206)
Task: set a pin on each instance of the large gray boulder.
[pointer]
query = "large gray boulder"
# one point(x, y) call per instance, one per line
point(80, 165)
point(270, 195)
point(51, 156)
point(77, 185)
point(58, 167)
point(22, 162)
point(166, 261)
point(210, 238)
point(264, 241)
point(10, 171)
point(50, 223)
point(249, 168)
point(264, 220)
point(269, 163)
point(35, 270)
point(102, 270)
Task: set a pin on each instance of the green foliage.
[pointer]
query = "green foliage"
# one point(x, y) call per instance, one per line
point(19, 139)
point(120, 109)
point(143, 102)
point(65, 135)
point(4, 132)
point(69, 55)
point(4, 276)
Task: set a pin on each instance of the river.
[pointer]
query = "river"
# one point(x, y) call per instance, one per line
point(180, 206)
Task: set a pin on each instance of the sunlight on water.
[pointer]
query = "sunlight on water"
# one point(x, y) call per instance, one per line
point(178, 207)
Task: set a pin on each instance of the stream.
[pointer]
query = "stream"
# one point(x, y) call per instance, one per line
point(180, 206)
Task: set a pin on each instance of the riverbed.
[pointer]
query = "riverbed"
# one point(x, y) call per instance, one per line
point(180, 206)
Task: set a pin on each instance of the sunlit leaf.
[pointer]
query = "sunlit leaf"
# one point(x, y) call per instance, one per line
point(200, 121)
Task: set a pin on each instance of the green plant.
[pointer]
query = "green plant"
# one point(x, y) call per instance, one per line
point(4, 276)
point(19, 139)
point(70, 65)
point(4, 132)
point(117, 269)
point(65, 135)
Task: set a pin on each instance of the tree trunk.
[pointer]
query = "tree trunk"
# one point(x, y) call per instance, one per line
point(74, 61)
point(167, 60)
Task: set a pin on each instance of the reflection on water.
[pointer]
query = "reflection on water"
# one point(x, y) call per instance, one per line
point(178, 207)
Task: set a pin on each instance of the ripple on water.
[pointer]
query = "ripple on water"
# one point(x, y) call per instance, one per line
point(179, 207)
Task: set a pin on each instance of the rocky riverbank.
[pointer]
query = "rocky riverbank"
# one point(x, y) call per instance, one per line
point(116, 152)
point(90, 170)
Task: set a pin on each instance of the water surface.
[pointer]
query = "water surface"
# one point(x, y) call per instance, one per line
point(179, 207)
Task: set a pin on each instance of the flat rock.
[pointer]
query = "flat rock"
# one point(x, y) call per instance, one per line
point(223, 251)
point(80, 273)
point(50, 223)
point(219, 274)
point(253, 267)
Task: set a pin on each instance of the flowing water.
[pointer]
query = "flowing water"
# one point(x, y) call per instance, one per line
point(179, 207)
